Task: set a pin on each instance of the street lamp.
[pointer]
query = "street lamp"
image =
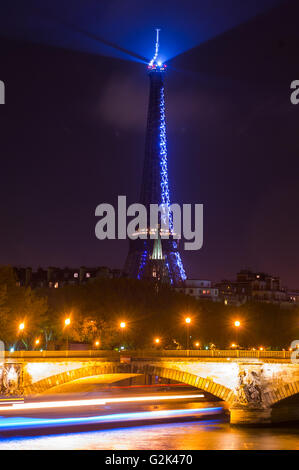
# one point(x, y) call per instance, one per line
point(37, 341)
point(97, 343)
point(157, 341)
point(187, 321)
point(237, 325)
point(67, 322)
point(21, 331)
point(122, 326)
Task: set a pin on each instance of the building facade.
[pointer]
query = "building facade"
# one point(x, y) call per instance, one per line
point(252, 286)
point(54, 277)
point(199, 288)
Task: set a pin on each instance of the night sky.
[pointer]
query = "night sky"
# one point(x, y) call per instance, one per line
point(72, 130)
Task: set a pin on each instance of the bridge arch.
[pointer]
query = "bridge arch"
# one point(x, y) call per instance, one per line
point(282, 392)
point(206, 384)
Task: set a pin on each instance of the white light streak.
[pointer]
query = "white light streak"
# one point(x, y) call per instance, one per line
point(93, 402)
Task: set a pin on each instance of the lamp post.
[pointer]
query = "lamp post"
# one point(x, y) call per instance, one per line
point(122, 326)
point(67, 322)
point(187, 321)
point(21, 330)
point(237, 325)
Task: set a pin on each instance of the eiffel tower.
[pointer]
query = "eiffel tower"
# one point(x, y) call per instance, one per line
point(140, 262)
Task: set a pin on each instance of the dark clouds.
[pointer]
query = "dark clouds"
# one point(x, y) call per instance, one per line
point(124, 29)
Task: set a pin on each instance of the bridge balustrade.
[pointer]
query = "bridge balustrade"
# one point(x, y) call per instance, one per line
point(227, 353)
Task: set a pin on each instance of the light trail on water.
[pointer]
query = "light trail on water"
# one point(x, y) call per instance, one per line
point(21, 423)
point(92, 402)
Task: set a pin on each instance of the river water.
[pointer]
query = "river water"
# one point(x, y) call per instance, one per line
point(201, 435)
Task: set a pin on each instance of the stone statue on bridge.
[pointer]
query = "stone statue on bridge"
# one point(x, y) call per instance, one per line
point(250, 388)
point(10, 379)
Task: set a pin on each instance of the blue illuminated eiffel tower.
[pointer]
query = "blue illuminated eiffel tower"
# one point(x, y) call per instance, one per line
point(154, 188)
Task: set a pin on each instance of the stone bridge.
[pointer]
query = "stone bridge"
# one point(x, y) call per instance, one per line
point(251, 382)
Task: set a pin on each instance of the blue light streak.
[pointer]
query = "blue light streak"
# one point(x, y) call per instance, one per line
point(180, 266)
point(18, 422)
point(156, 49)
point(142, 264)
point(165, 198)
point(168, 268)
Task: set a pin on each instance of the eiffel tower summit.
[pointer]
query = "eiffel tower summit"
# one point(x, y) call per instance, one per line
point(155, 258)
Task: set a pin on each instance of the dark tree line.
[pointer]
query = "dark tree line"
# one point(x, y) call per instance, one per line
point(97, 308)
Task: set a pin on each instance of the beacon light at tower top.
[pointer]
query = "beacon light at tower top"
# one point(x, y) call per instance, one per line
point(156, 65)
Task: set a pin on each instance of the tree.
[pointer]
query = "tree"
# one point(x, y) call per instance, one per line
point(19, 305)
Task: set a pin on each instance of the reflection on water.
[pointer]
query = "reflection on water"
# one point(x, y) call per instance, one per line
point(205, 435)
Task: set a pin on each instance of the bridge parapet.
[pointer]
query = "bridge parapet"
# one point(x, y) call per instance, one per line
point(196, 353)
